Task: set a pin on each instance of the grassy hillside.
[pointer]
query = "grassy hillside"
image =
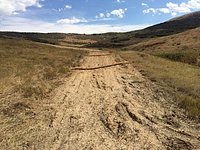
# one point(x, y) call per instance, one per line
point(183, 47)
point(73, 40)
point(30, 69)
point(171, 27)
point(179, 79)
point(51, 38)
point(114, 40)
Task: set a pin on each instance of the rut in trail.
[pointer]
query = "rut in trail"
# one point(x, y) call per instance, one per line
point(115, 108)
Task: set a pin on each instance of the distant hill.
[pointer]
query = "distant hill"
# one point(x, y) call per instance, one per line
point(183, 47)
point(51, 38)
point(173, 26)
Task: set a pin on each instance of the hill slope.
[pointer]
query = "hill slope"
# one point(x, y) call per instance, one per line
point(186, 50)
point(51, 38)
point(174, 26)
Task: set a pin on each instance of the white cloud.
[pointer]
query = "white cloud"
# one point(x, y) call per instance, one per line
point(144, 4)
point(119, 12)
point(72, 20)
point(120, 1)
point(174, 8)
point(68, 7)
point(150, 10)
point(182, 8)
point(9, 7)
point(101, 15)
point(28, 25)
point(114, 13)
point(107, 15)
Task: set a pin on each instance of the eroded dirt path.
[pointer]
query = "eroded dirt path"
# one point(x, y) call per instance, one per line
point(114, 108)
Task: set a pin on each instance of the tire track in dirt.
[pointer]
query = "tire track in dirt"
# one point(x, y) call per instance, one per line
point(115, 108)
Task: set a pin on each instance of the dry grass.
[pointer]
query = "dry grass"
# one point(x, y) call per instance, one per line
point(182, 80)
point(30, 68)
point(75, 41)
point(182, 47)
point(29, 72)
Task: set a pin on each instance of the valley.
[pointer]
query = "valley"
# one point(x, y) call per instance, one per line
point(135, 90)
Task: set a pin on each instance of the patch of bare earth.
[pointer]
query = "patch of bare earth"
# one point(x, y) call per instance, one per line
point(114, 107)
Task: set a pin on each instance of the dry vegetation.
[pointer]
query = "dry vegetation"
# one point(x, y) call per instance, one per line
point(186, 50)
point(29, 71)
point(51, 38)
point(179, 70)
point(181, 80)
point(30, 67)
point(75, 41)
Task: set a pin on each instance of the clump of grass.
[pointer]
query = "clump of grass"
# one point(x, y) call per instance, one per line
point(190, 103)
point(49, 74)
point(63, 70)
point(29, 91)
point(185, 57)
point(180, 79)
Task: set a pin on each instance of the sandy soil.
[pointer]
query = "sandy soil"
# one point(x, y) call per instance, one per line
point(111, 108)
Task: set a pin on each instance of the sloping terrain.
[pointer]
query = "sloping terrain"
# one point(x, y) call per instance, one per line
point(179, 79)
point(183, 47)
point(113, 107)
point(171, 27)
point(51, 97)
point(51, 38)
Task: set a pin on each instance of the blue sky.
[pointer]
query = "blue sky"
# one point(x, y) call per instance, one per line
point(89, 16)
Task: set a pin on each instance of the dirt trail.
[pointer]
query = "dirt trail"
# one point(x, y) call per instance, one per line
point(117, 108)
point(67, 47)
point(114, 108)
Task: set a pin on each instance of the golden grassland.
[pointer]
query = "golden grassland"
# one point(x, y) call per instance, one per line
point(183, 47)
point(30, 72)
point(32, 68)
point(75, 41)
point(180, 79)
